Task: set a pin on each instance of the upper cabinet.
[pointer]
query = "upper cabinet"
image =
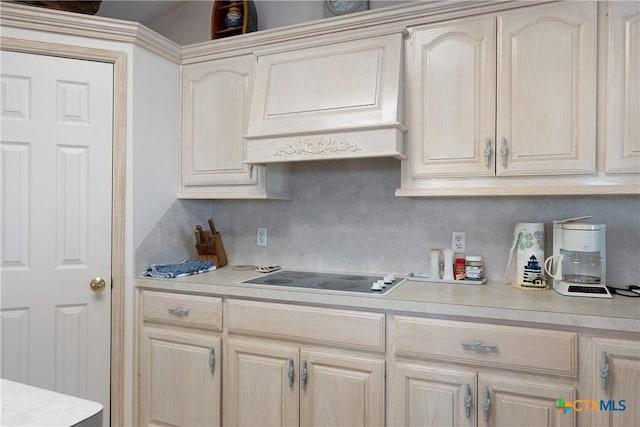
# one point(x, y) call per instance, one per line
point(507, 95)
point(216, 96)
point(451, 95)
point(501, 99)
point(339, 100)
point(540, 100)
point(622, 111)
point(546, 91)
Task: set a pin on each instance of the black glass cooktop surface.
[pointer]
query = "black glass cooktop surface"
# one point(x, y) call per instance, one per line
point(326, 281)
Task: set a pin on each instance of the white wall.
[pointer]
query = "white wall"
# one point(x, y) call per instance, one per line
point(155, 133)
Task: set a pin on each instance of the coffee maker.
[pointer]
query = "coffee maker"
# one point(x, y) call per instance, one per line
point(578, 264)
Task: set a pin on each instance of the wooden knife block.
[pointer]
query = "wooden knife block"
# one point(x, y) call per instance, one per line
point(213, 252)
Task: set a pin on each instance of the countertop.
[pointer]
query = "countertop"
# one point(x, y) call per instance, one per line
point(24, 405)
point(494, 301)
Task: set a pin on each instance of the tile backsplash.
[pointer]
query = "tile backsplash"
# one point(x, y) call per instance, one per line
point(344, 216)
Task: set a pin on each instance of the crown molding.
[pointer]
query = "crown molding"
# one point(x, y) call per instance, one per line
point(382, 21)
point(376, 22)
point(96, 27)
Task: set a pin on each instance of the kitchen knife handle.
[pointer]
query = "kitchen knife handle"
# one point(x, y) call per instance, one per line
point(178, 311)
point(486, 404)
point(475, 345)
point(604, 370)
point(468, 401)
point(291, 373)
point(304, 373)
point(488, 149)
point(504, 151)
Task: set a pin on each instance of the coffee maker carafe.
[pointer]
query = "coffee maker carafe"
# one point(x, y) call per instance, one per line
point(578, 264)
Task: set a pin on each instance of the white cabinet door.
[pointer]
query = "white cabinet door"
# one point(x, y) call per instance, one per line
point(55, 158)
point(261, 386)
point(616, 369)
point(451, 98)
point(424, 395)
point(546, 90)
point(215, 113)
point(216, 98)
point(512, 401)
point(179, 378)
point(622, 112)
point(341, 390)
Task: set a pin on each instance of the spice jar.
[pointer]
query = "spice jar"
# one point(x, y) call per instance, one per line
point(474, 268)
point(459, 269)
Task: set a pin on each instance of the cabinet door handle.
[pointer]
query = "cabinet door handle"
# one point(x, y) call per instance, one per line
point(291, 373)
point(604, 370)
point(504, 151)
point(488, 149)
point(250, 170)
point(475, 345)
point(178, 311)
point(468, 401)
point(486, 404)
point(304, 374)
point(212, 360)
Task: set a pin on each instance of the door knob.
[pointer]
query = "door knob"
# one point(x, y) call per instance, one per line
point(97, 284)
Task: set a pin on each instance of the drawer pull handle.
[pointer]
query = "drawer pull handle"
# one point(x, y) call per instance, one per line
point(488, 150)
point(475, 345)
point(486, 404)
point(291, 373)
point(468, 400)
point(504, 152)
point(178, 311)
point(604, 370)
point(304, 374)
point(212, 360)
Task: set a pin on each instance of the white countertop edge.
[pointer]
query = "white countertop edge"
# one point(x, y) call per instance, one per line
point(25, 405)
point(388, 303)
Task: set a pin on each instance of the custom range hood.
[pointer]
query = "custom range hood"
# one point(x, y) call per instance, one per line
point(330, 101)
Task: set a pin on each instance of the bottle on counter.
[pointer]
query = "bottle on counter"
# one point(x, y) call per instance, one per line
point(474, 268)
point(448, 264)
point(435, 263)
point(459, 269)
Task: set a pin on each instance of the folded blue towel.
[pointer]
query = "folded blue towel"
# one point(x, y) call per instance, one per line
point(184, 268)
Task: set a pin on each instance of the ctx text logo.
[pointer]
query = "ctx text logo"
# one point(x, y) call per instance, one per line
point(590, 405)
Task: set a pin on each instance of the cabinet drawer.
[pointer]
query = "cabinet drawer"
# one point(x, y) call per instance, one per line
point(355, 329)
point(189, 310)
point(536, 350)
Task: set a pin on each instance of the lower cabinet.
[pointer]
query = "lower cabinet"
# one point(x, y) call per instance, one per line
point(289, 365)
point(436, 395)
point(281, 384)
point(279, 364)
point(180, 353)
point(430, 385)
point(615, 384)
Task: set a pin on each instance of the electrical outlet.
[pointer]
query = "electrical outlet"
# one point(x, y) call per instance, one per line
point(459, 241)
point(261, 238)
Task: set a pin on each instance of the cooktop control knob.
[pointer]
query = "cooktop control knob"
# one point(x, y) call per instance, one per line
point(377, 286)
point(389, 278)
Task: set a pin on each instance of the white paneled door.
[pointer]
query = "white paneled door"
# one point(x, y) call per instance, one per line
point(55, 208)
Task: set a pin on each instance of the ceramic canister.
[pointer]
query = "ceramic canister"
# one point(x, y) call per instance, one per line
point(233, 18)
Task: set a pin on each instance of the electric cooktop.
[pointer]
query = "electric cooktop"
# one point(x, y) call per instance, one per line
point(326, 281)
